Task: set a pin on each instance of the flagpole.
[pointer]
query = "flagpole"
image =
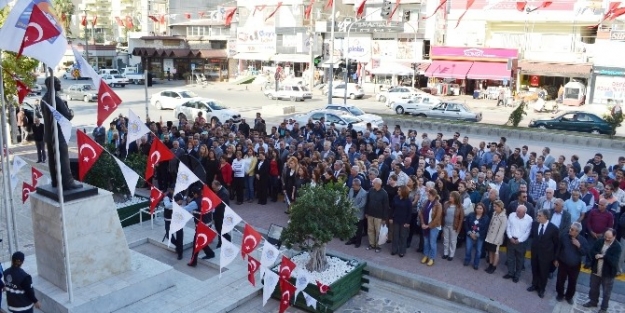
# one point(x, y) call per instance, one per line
point(59, 188)
point(147, 100)
point(6, 177)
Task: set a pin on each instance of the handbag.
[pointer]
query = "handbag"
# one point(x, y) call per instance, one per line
point(383, 235)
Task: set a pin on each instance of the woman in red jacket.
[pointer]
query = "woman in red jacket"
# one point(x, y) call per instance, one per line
point(225, 172)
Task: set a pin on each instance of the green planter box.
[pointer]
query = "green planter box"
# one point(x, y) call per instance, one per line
point(125, 212)
point(340, 291)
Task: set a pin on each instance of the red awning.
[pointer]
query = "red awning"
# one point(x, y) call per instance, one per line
point(448, 69)
point(489, 70)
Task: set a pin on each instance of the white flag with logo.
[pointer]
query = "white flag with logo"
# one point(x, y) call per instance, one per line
point(269, 285)
point(136, 128)
point(130, 176)
point(310, 301)
point(85, 69)
point(227, 254)
point(184, 179)
point(231, 219)
point(301, 281)
point(179, 218)
point(65, 126)
point(18, 163)
point(268, 258)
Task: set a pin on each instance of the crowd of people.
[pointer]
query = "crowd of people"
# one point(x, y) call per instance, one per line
point(566, 211)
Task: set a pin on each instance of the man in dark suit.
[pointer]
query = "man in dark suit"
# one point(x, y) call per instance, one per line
point(605, 255)
point(504, 189)
point(545, 242)
point(38, 134)
point(262, 178)
point(220, 210)
point(384, 168)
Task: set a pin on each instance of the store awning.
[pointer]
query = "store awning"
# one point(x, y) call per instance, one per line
point(253, 56)
point(489, 70)
point(288, 57)
point(555, 69)
point(327, 64)
point(213, 54)
point(448, 69)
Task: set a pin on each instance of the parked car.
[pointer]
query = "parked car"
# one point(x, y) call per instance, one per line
point(115, 80)
point(354, 91)
point(108, 71)
point(35, 90)
point(339, 118)
point(357, 112)
point(289, 92)
point(170, 99)
point(575, 121)
point(84, 92)
point(396, 93)
point(449, 110)
point(212, 110)
point(415, 102)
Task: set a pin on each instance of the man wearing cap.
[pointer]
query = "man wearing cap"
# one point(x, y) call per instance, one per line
point(19, 287)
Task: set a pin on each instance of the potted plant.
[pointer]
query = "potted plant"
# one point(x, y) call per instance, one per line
point(320, 214)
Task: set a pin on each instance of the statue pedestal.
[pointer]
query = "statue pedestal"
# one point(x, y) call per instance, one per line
point(106, 275)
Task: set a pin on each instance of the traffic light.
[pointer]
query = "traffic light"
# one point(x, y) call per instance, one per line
point(406, 15)
point(387, 7)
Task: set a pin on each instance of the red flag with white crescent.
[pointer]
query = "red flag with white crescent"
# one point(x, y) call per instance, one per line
point(286, 268)
point(274, 11)
point(26, 190)
point(119, 21)
point(210, 200)
point(162, 19)
point(329, 4)
point(251, 240)
point(323, 289)
point(361, 9)
point(88, 153)
point(155, 197)
point(616, 13)
point(469, 4)
point(252, 267)
point(308, 10)
point(129, 24)
point(440, 5)
point(83, 22)
point(22, 90)
point(94, 21)
point(187, 15)
point(611, 8)
point(153, 18)
point(35, 175)
point(38, 29)
point(204, 235)
point(394, 9)
point(287, 292)
point(230, 16)
point(108, 101)
point(158, 153)
point(520, 6)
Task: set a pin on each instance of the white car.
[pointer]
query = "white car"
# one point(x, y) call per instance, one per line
point(339, 118)
point(354, 91)
point(289, 92)
point(395, 93)
point(115, 80)
point(170, 99)
point(211, 109)
point(415, 103)
point(357, 112)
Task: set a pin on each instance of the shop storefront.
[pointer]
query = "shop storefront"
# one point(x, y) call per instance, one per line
point(608, 85)
point(182, 63)
point(255, 47)
point(552, 75)
point(459, 70)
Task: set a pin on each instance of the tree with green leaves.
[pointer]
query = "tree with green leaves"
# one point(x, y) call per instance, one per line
point(64, 10)
point(320, 214)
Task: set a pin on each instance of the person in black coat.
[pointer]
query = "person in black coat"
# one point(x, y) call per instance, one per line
point(19, 286)
point(400, 221)
point(607, 252)
point(545, 243)
point(220, 210)
point(262, 178)
point(38, 133)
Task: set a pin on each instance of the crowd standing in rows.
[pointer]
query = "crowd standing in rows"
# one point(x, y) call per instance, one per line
point(566, 211)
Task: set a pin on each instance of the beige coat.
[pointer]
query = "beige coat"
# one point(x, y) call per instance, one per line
point(497, 228)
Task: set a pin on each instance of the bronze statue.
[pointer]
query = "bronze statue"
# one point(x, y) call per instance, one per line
point(61, 106)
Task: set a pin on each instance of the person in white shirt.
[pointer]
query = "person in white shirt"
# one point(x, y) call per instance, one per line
point(238, 170)
point(518, 230)
point(550, 182)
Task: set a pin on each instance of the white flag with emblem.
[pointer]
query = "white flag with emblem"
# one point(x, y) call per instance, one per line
point(179, 218)
point(269, 285)
point(85, 68)
point(301, 281)
point(268, 258)
point(18, 163)
point(65, 126)
point(184, 179)
point(231, 219)
point(136, 128)
point(310, 301)
point(130, 176)
point(227, 254)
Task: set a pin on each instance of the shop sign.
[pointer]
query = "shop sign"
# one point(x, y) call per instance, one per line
point(384, 49)
point(609, 71)
point(609, 88)
point(232, 47)
point(476, 53)
point(260, 40)
point(534, 81)
point(369, 26)
point(617, 35)
point(358, 48)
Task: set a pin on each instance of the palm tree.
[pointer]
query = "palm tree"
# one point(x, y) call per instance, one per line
point(64, 10)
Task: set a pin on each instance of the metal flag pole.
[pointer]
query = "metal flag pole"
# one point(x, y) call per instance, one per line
point(59, 188)
point(331, 78)
point(145, 78)
point(6, 177)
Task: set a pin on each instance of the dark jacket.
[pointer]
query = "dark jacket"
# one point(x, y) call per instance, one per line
point(545, 246)
point(480, 228)
point(377, 204)
point(565, 222)
point(19, 289)
point(48, 118)
point(402, 211)
point(38, 132)
point(570, 254)
point(610, 258)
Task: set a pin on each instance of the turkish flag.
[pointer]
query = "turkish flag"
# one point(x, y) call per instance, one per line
point(251, 240)
point(187, 15)
point(108, 101)
point(286, 268)
point(288, 290)
point(36, 174)
point(397, 2)
point(308, 10)
point(201, 14)
point(229, 16)
point(210, 200)
point(155, 197)
point(440, 5)
point(258, 8)
point(608, 14)
point(63, 17)
point(83, 22)
point(162, 19)
point(329, 4)
point(158, 153)
point(323, 289)
point(153, 18)
point(119, 21)
point(469, 4)
point(204, 235)
point(39, 29)
point(95, 20)
point(26, 190)
point(129, 23)
point(22, 90)
point(361, 9)
point(274, 11)
point(520, 6)
point(88, 153)
point(252, 267)
point(616, 13)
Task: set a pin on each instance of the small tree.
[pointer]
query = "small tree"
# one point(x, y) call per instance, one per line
point(614, 117)
point(517, 115)
point(106, 174)
point(320, 214)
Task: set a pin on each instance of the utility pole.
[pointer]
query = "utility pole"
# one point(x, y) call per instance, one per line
point(86, 37)
point(331, 78)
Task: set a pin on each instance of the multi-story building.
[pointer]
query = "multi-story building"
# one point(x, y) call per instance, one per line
point(607, 84)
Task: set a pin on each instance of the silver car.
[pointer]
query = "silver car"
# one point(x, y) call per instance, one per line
point(414, 103)
point(338, 118)
point(357, 112)
point(451, 111)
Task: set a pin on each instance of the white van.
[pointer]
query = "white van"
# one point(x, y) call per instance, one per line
point(108, 71)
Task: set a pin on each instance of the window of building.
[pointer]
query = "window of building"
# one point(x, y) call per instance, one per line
point(218, 44)
point(198, 30)
point(219, 31)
